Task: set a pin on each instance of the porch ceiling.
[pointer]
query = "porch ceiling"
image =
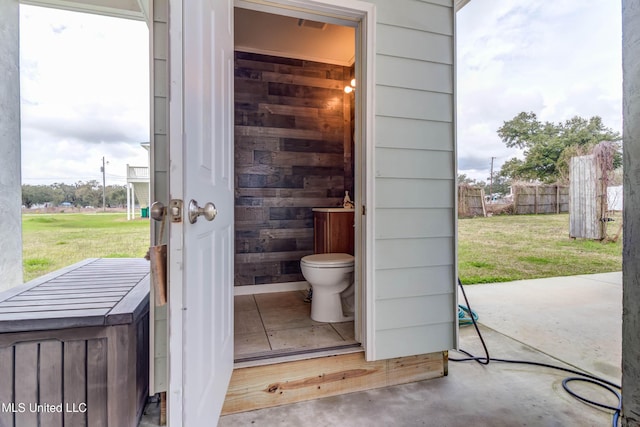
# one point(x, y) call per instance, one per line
point(459, 4)
point(128, 9)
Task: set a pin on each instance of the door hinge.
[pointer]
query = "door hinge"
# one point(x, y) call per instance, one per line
point(364, 210)
point(175, 210)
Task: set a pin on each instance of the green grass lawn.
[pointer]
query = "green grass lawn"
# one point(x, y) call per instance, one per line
point(53, 241)
point(495, 249)
point(505, 248)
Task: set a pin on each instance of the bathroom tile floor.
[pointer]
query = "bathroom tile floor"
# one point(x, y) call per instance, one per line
point(279, 323)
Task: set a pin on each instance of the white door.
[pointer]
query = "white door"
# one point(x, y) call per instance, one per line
point(201, 168)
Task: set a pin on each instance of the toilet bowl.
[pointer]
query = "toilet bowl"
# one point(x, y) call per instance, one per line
point(331, 277)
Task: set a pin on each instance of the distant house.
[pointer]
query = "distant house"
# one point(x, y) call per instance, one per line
point(137, 186)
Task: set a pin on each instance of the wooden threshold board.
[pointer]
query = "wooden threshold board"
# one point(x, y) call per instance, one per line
point(289, 355)
point(289, 382)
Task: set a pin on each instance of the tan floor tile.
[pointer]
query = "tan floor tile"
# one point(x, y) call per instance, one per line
point(251, 343)
point(308, 337)
point(247, 322)
point(345, 329)
point(286, 318)
point(280, 300)
point(244, 303)
point(275, 319)
point(284, 310)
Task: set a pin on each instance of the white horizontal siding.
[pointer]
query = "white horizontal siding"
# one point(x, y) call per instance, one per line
point(415, 175)
point(414, 74)
point(409, 253)
point(447, 3)
point(413, 223)
point(160, 78)
point(423, 310)
point(162, 186)
point(161, 156)
point(414, 193)
point(395, 132)
point(160, 107)
point(413, 104)
point(421, 339)
point(415, 44)
point(416, 14)
point(161, 44)
point(160, 181)
point(400, 163)
point(412, 282)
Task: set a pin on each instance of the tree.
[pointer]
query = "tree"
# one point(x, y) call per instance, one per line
point(511, 169)
point(36, 195)
point(500, 185)
point(79, 194)
point(548, 146)
point(88, 193)
point(463, 179)
point(116, 195)
point(64, 193)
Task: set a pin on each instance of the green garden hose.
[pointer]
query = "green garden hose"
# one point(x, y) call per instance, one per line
point(465, 316)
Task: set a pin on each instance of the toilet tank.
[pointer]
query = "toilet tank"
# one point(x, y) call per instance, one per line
point(333, 230)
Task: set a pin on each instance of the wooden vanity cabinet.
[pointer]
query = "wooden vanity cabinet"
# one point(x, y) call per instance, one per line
point(333, 230)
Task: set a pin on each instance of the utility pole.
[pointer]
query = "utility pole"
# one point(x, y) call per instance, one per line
point(491, 182)
point(104, 194)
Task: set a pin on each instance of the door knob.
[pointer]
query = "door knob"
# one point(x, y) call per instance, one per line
point(157, 211)
point(209, 211)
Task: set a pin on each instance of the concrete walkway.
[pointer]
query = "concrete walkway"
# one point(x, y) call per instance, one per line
point(576, 319)
point(570, 321)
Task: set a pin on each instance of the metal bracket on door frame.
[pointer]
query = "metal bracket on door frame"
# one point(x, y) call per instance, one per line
point(175, 210)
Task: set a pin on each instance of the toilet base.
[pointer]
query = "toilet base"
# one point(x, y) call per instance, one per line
point(327, 308)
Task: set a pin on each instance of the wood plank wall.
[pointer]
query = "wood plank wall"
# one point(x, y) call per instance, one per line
point(293, 152)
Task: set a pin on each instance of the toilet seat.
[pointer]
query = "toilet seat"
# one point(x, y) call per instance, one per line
point(332, 260)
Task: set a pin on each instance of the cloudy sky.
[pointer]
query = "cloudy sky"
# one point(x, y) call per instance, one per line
point(85, 82)
point(85, 95)
point(557, 58)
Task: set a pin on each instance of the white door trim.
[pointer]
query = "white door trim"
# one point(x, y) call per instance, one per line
point(361, 15)
point(365, 176)
point(175, 239)
point(345, 12)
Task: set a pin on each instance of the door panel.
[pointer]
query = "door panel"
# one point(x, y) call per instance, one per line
point(205, 174)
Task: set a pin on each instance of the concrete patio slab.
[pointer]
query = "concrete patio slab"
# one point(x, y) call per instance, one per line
point(496, 395)
point(575, 319)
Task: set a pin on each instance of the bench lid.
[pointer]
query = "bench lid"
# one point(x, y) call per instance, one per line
point(93, 292)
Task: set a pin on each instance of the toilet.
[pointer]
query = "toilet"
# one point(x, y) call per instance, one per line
point(331, 277)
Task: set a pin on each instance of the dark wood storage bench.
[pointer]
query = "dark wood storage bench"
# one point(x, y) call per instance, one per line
point(74, 346)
